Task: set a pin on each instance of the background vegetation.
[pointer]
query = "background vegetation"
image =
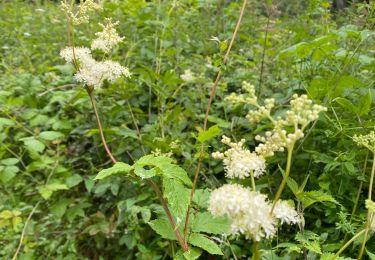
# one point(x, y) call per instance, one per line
point(50, 149)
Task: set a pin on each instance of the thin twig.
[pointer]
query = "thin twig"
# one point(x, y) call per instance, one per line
point(55, 88)
point(212, 94)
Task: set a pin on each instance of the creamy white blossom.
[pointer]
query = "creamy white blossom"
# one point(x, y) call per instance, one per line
point(286, 213)
point(367, 141)
point(80, 14)
point(108, 38)
point(249, 211)
point(240, 162)
point(91, 72)
point(187, 76)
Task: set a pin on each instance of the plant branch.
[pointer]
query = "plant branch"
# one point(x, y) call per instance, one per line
point(212, 94)
point(369, 214)
point(92, 99)
point(348, 243)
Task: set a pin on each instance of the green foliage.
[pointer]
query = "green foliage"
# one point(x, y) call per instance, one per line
point(51, 153)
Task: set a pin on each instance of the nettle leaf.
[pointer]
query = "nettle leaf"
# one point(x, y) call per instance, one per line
point(205, 222)
point(51, 135)
point(177, 195)
point(119, 167)
point(163, 228)
point(347, 104)
point(212, 132)
point(364, 104)
point(203, 242)
point(310, 197)
point(47, 190)
point(193, 253)
point(144, 173)
point(201, 197)
point(166, 167)
point(33, 145)
point(310, 240)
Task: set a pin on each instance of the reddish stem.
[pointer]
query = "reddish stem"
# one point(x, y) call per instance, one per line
point(212, 95)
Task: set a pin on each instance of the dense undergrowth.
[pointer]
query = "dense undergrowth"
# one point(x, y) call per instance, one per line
point(50, 148)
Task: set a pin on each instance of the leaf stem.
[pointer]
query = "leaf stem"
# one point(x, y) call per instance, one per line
point(212, 94)
point(253, 180)
point(286, 176)
point(369, 214)
point(348, 243)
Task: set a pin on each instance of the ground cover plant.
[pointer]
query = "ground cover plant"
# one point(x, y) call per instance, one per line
point(187, 129)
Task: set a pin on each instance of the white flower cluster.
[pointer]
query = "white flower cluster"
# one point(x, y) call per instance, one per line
point(301, 113)
point(188, 76)
point(80, 15)
point(91, 72)
point(250, 211)
point(239, 162)
point(108, 38)
point(367, 141)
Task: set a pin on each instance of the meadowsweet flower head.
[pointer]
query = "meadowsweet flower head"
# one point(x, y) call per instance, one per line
point(367, 141)
point(108, 38)
point(82, 54)
point(248, 98)
point(249, 211)
point(239, 162)
point(286, 213)
point(95, 74)
point(187, 76)
point(80, 14)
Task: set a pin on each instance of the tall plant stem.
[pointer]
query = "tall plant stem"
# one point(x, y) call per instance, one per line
point(256, 253)
point(253, 180)
point(369, 214)
point(357, 196)
point(212, 95)
point(286, 176)
point(149, 181)
point(92, 99)
point(264, 53)
point(348, 243)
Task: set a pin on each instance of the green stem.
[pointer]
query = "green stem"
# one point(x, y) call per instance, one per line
point(369, 215)
point(348, 243)
point(253, 180)
point(256, 253)
point(286, 176)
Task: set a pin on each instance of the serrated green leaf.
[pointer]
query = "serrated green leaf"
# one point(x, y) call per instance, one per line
point(310, 197)
point(7, 173)
point(205, 222)
point(201, 197)
point(73, 180)
point(47, 190)
point(212, 132)
point(193, 253)
point(177, 196)
point(364, 104)
point(310, 240)
point(9, 161)
point(163, 228)
point(119, 167)
point(51, 135)
point(347, 104)
point(331, 256)
point(175, 172)
point(33, 145)
point(203, 242)
point(143, 173)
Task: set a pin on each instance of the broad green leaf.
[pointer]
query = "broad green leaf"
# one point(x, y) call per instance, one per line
point(205, 222)
point(119, 167)
point(7, 173)
point(175, 172)
point(163, 228)
point(73, 180)
point(6, 122)
point(371, 255)
point(58, 208)
point(201, 197)
point(346, 82)
point(293, 186)
point(9, 161)
point(143, 173)
point(212, 132)
point(318, 88)
point(347, 104)
point(6, 214)
point(51, 135)
point(152, 160)
point(177, 195)
point(47, 190)
point(310, 197)
point(33, 145)
point(364, 104)
point(203, 242)
point(193, 253)
point(331, 256)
